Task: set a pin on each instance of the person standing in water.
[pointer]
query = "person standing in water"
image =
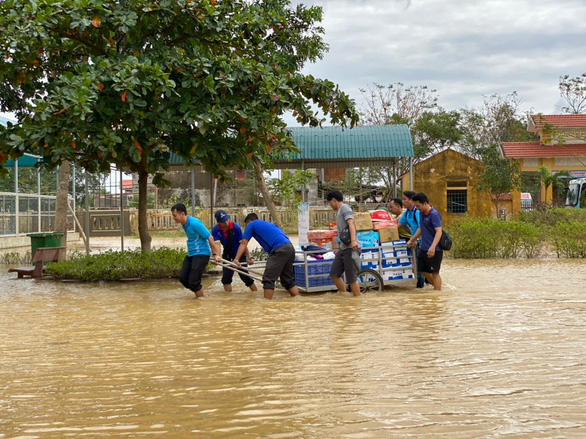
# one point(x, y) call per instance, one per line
point(200, 245)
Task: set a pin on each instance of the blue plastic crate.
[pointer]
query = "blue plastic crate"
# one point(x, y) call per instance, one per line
point(318, 273)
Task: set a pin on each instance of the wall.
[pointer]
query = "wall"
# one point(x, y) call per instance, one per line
point(431, 176)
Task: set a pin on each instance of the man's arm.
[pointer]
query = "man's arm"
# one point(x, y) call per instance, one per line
point(241, 250)
point(215, 249)
point(352, 230)
point(436, 240)
point(414, 238)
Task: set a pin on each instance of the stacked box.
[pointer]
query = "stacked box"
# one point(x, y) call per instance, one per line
point(323, 238)
point(367, 238)
point(362, 221)
point(369, 259)
point(389, 234)
point(318, 273)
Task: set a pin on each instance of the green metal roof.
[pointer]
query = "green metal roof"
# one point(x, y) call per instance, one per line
point(27, 160)
point(343, 147)
point(337, 147)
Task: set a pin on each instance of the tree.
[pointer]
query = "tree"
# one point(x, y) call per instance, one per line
point(100, 82)
point(497, 121)
point(432, 128)
point(396, 103)
point(500, 176)
point(573, 91)
point(555, 180)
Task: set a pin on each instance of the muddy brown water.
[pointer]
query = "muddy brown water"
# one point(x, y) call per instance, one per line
point(501, 352)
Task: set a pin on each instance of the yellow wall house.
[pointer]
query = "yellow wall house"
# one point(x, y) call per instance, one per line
point(450, 179)
point(561, 147)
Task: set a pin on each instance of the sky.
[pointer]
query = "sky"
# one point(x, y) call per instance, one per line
point(463, 49)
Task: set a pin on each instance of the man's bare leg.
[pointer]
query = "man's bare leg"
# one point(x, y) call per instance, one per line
point(198, 293)
point(293, 291)
point(340, 284)
point(269, 293)
point(253, 287)
point(436, 281)
point(228, 288)
point(355, 287)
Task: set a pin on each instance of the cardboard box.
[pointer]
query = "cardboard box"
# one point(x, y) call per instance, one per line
point(387, 235)
point(362, 221)
point(377, 225)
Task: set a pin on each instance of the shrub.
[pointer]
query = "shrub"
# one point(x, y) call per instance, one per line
point(550, 217)
point(492, 238)
point(569, 239)
point(113, 266)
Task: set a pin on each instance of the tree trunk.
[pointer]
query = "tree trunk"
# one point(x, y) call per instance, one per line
point(61, 209)
point(143, 227)
point(266, 194)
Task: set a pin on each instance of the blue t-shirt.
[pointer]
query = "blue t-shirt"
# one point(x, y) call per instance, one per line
point(428, 224)
point(267, 234)
point(411, 218)
point(218, 235)
point(197, 237)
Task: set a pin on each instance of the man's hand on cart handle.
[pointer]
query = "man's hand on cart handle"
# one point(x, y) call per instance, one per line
point(237, 263)
point(216, 258)
point(250, 261)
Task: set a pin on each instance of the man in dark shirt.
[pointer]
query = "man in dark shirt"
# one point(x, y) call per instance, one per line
point(229, 234)
point(429, 258)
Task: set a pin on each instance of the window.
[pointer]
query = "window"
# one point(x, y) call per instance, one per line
point(457, 197)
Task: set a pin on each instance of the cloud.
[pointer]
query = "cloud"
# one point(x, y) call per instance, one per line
point(463, 49)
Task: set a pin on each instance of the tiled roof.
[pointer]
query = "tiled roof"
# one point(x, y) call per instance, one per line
point(560, 120)
point(514, 150)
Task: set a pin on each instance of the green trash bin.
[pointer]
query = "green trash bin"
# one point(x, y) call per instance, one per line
point(46, 239)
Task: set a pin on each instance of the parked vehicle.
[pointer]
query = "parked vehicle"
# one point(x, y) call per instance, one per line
point(576, 197)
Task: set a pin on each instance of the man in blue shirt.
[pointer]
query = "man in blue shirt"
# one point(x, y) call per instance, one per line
point(411, 218)
point(199, 243)
point(229, 234)
point(429, 258)
point(281, 254)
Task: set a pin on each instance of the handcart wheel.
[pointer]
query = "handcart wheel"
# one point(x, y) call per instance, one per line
point(370, 280)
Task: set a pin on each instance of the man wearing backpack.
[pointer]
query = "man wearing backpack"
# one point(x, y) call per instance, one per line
point(429, 258)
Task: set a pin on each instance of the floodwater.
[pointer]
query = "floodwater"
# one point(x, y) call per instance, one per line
point(501, 352)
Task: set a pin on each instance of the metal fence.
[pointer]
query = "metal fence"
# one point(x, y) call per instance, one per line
point(26, 213)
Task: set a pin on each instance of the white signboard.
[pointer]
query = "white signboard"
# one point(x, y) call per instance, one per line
point(303, 222)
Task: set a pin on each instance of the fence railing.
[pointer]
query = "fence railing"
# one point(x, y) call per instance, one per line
point(26, 213)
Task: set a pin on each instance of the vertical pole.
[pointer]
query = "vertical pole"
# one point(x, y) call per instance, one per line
point(121, 213)
point(193, 191)
point(395, 178)
point(303, 187)
point(410, 173)
point(74, 194)
point(17, 199)
point(87, 214)
point(39, 204)
point(212, 201)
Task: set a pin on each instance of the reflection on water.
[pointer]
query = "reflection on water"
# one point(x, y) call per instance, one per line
point(500, 352)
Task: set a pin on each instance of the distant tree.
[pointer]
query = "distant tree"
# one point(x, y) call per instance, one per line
point(573, 91)
point(396, 103)
point(432, 128)
point(556, 180)
point(102, 81)
point(497, 120)
point(500, 176)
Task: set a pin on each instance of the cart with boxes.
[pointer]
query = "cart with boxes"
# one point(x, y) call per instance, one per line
point(385, 259)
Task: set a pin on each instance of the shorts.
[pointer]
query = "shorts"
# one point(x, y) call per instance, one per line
point(429, 265)
point(344, 264)
point(280, 265)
